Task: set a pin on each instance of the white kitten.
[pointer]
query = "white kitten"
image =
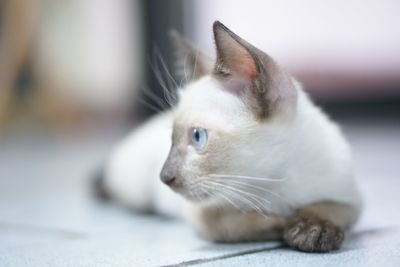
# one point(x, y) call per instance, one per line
point(252, 154)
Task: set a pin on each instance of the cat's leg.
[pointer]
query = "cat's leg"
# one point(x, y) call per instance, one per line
point(316, 228)
point(230, 225)
point(319, 227)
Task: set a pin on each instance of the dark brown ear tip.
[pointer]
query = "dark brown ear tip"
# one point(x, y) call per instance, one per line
point(218, 25)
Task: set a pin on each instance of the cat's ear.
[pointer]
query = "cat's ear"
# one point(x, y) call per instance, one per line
point(190, 63)
point(251, 74)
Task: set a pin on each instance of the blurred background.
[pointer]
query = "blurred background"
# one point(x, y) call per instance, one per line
point(68, 65)
point(76, 76)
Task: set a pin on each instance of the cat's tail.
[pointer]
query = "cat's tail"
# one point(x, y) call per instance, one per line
point(98, 187)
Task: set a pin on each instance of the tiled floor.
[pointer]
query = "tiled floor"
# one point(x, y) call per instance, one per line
point(49, 218)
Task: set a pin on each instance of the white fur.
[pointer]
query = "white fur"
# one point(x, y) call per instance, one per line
point(132, 172)
point(306, 150)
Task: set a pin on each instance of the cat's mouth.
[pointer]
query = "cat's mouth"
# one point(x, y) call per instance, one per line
point(191, 193)
point(197, 195)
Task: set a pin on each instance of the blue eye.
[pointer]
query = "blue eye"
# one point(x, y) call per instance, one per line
point(199, 138)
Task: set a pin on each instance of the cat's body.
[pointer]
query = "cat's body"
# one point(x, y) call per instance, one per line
point(253, 155)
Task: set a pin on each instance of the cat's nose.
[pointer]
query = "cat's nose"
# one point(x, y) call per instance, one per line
point(168, 179)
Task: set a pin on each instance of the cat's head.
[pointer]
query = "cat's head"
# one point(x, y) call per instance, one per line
point(229, 118)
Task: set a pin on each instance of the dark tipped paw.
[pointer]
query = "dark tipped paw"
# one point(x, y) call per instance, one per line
point(313, 235)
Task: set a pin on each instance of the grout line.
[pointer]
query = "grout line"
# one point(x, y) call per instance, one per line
point(227, 256)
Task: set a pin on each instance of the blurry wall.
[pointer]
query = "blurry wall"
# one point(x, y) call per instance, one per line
point(341, 50)
point(64, 61)
point(73, 61)
point(91, 51)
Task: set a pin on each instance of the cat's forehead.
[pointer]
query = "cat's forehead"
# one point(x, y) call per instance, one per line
point(205, 101)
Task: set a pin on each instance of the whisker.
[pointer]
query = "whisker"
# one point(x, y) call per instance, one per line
point(182, 75)
point(247, 177)
point(159, 101)
point(249, 202)
point(247, 194)
point(242, 199)
point(237, 196)
point(184, 70)
point(166, 91)
point(224, 193)
point(169, 76)
point(152, 107)
point(195, 65)
point(164, 87)
point(197, 195)
point(164, 65)
point(203, 190)
point(223, 196)
point(258, 188)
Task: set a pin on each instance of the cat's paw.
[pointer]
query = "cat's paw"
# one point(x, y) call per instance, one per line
point(313, 234)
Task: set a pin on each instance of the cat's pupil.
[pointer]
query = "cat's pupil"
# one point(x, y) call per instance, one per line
point(196, 135)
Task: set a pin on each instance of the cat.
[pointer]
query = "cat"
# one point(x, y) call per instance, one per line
point(251, 157)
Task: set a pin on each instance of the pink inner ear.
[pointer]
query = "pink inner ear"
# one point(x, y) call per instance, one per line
point(238, 60)
point(245, 67)
point(242, 66)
